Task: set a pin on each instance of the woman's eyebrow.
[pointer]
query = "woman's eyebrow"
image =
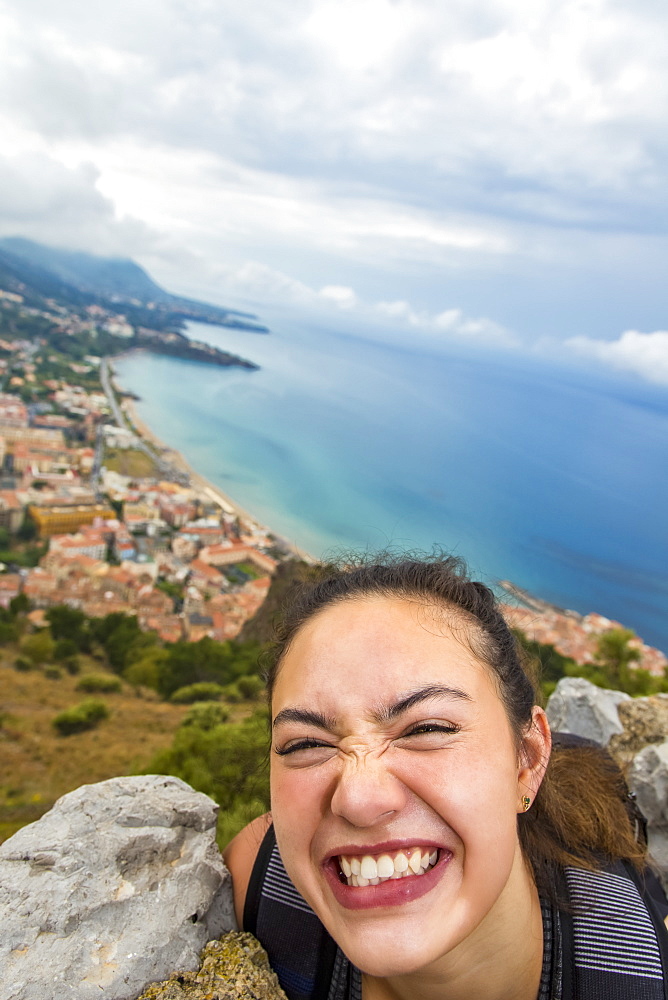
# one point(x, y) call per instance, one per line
point(389, 712)
point(305, 716)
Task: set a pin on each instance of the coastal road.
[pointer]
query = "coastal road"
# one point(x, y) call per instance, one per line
point(166, 469)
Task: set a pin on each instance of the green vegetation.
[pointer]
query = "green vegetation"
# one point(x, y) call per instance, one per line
point(228, 761)
point(99, 684)
point(206, 660)
point(611, 667)
point(206, 715)
point(38, 647)
point(130, 462)
point(202, 691)
point(21, 549)
point(79, 718)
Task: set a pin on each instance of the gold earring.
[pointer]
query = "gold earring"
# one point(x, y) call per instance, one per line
point(526, 802)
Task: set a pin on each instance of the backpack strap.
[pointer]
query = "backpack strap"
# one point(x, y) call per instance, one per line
point(301, 952)
point(613, 941)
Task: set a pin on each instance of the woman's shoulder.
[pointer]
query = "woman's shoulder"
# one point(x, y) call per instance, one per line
point(240, 855)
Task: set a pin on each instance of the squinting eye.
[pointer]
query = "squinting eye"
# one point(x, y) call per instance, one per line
point(307, 744)
point(431, 727)
point(427, 736)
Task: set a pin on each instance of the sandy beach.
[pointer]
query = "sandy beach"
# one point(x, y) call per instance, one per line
point(178, 460)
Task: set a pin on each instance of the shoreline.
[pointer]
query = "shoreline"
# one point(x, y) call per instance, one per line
point(198, 481)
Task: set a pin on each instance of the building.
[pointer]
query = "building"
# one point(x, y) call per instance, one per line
point(63, 519)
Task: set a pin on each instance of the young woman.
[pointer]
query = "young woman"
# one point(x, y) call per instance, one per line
point(421, 845)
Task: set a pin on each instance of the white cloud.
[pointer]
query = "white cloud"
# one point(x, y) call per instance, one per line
point(254, 283)
point(644, 354)
point(449, 152)
point(341, 295)
point(42, 199)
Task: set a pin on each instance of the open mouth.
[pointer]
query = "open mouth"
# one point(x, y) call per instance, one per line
point(361, 870)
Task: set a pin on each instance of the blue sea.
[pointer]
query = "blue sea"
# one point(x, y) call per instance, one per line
point(553, 478)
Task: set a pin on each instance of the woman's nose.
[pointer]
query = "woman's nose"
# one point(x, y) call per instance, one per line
point(367, 793)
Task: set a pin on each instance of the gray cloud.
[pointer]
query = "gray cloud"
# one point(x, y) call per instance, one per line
point(506, 160)
point(42, 199)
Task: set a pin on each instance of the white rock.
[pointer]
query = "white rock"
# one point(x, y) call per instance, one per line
point(118, 886)
point(579, 707)
point(648, 778)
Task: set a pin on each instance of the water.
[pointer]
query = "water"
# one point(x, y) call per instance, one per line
point(554, 479)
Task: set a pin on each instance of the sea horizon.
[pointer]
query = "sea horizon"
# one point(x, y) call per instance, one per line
point(546, 476)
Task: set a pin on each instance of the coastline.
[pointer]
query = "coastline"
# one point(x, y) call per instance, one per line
point(179, 461)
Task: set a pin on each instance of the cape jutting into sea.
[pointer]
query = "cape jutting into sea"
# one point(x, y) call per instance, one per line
point(550, 477)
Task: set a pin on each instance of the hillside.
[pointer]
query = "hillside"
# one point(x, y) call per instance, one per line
point(37, 271)
point(37, 765)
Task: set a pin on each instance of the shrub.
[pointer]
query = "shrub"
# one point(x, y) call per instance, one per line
point(145, 672)
point(232, 693)
point(99, 684)
point(23, 664)
point(206, 715)
point(228, 762)
point(53, 673)
point(72, 664)
point(250, 686)
point(80, 717)
point(38, 647)
point(64, 649)
point(204, 691)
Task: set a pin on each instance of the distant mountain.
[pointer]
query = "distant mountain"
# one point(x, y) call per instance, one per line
point(104, 276)
point(79, 278)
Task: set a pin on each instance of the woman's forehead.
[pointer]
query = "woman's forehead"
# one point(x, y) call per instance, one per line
point(391, 639)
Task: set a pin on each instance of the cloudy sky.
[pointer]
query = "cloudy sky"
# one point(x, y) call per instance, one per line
point(493, 171)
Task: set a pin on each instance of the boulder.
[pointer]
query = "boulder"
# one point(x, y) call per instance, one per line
point(644, 722)
point(235, 967)
point(120, 884)
point(577, 706)
point(648, 779)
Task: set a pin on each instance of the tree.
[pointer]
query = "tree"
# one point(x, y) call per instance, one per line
point(69, 623)
point(614, 655)
point(28, 530)
point(38, 647)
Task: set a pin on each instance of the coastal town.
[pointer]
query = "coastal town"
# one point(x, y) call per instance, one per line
point(112, 522)
point(98, 514)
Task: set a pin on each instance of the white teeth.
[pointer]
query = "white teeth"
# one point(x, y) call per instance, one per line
point(367, 870)
point(385, 866)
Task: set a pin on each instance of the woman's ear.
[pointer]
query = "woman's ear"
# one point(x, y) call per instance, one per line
point(534, 758)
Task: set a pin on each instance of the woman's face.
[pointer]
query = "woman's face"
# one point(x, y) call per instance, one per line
point(396, 783)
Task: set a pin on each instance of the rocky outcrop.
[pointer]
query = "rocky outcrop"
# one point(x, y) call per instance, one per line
point(236, 967)
point(118, 886)
point(648, 779)
point(635, 732)
point(579, 707)
point(644, 723)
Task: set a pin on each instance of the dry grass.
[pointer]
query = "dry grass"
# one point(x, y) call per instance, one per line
point(130, 462)
point(37, 765)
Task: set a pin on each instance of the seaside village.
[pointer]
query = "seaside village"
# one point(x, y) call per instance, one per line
point(172, 553)
point(152, 541)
